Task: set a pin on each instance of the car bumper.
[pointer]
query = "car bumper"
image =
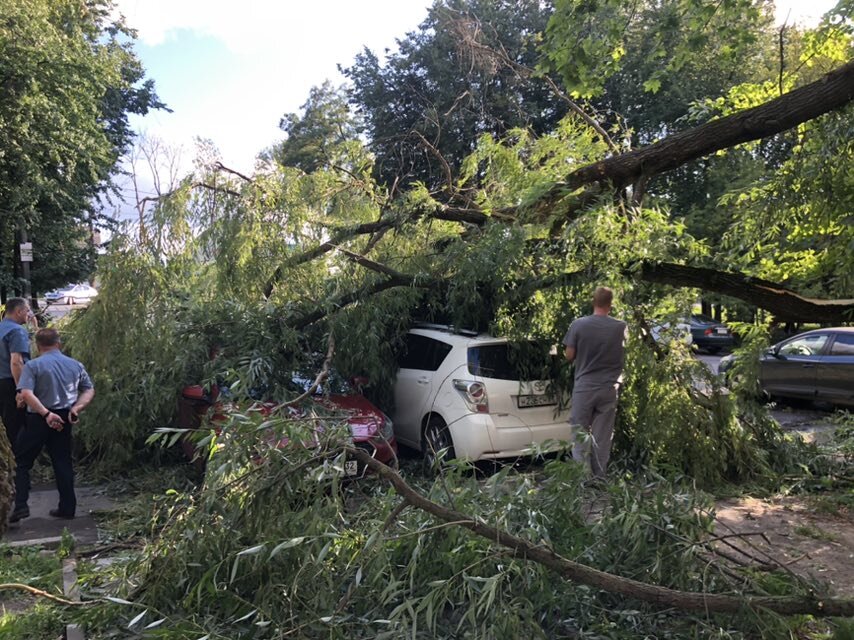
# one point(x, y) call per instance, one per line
point(486, 437)
point(384, 451)
point(715, 341)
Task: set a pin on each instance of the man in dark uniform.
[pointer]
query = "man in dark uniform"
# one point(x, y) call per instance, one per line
point(56, 389)
point(14, 353)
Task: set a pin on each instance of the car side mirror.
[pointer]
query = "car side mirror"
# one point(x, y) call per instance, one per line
point(775, 353)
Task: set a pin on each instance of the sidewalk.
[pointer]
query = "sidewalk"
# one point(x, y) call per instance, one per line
point(42, 529)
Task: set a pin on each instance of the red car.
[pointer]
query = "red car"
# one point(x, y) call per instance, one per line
point(371, 429)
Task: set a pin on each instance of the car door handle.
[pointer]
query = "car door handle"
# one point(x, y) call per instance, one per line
point(423, 380)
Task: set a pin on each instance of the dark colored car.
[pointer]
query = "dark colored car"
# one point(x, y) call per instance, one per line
point(371, 429)
point(816, 365)
point(710, 335)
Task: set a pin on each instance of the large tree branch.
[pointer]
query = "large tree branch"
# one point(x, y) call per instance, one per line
point(834, 90)
point(577, 572)
point(770, 296)
point(320, 312)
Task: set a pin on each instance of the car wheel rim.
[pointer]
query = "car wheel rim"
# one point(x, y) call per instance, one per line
point(435, 439)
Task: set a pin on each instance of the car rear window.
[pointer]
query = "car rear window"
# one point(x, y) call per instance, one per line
point(510, 361)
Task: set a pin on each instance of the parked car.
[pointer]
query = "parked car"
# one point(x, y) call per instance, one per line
point(815, 365)
point(665, 332)
point(72, 294)
point(463, 392)
point(370, 428)
point(710, 335)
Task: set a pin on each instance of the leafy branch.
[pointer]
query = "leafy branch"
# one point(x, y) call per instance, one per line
point(577, 572)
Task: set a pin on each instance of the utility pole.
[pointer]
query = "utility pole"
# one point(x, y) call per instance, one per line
point(26, 252)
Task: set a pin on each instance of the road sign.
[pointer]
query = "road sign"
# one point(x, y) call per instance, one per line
point(26, 252)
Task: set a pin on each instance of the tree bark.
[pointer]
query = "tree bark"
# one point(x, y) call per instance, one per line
point(771, 296)
point(834, 90)
point(577, 572)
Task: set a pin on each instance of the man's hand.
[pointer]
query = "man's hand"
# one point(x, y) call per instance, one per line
point(19, 400)
point(74, 414)
point(54, 421)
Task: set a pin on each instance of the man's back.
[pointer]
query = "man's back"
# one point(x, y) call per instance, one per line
point(55, 379)
point(599, 343)
point(13, 339)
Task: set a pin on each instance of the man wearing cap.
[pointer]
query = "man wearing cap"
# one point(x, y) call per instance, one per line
point(56, 389)
point(596, 343)
point(14, 353)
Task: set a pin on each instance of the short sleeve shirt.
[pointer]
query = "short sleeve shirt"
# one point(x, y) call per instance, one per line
point(55, 379)
point(13, 339)
point(600, 347)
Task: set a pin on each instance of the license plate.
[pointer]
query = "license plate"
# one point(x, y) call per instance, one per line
point(351, 467)
point(535, 401)
point(722, 331)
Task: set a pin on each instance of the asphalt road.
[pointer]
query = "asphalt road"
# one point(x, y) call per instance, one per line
point(57, 311)
point(711, 361)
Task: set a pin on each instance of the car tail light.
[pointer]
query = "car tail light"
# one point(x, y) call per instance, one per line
point(386, 432)
point(708, 331)
point(474, 393)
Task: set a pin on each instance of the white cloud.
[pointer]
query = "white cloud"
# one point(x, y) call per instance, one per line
point(258, 25)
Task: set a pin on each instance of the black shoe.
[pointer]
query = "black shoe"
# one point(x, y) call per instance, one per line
point(19, 514)
point(56, 513)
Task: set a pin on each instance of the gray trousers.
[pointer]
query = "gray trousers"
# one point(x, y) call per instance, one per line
point(592, 415)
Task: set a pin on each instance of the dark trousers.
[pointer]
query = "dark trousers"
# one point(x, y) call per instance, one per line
point(34, 437)
point(14, 418)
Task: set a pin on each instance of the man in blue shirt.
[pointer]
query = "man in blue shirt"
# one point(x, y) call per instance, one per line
point(14, 353)
point(56, 389)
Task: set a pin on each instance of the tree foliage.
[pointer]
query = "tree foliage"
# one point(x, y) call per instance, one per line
point(70, 79)
point(243, 281)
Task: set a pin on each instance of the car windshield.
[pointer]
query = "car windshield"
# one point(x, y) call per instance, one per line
point(699, 317)
point(511, 361)
point(335, 383)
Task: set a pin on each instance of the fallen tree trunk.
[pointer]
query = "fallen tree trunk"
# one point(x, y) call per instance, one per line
point(832, 91)
point(583, 574)
point(771, 296)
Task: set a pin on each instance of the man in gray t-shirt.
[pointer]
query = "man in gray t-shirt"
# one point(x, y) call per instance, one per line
point(596, 344)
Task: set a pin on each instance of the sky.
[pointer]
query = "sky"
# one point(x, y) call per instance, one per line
point(230, 70)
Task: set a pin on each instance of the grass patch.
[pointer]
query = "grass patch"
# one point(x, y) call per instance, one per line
point(834, 504)
point(809, 531)
point(31, 566)
point(39, 622)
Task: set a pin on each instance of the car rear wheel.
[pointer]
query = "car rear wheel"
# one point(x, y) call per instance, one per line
point(435, 439)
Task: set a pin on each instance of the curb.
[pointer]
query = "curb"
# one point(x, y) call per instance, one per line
point(71, 590)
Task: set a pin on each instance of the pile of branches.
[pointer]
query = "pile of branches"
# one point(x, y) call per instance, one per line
point(278, 543)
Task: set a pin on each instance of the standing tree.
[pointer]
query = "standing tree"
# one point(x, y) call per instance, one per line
point(427, 104)
point(69, 80)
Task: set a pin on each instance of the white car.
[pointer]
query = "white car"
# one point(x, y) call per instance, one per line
point(461, 392)
point(665, 332)
point(72, 294)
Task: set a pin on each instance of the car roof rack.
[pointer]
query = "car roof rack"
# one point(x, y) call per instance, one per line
point(449, 328)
